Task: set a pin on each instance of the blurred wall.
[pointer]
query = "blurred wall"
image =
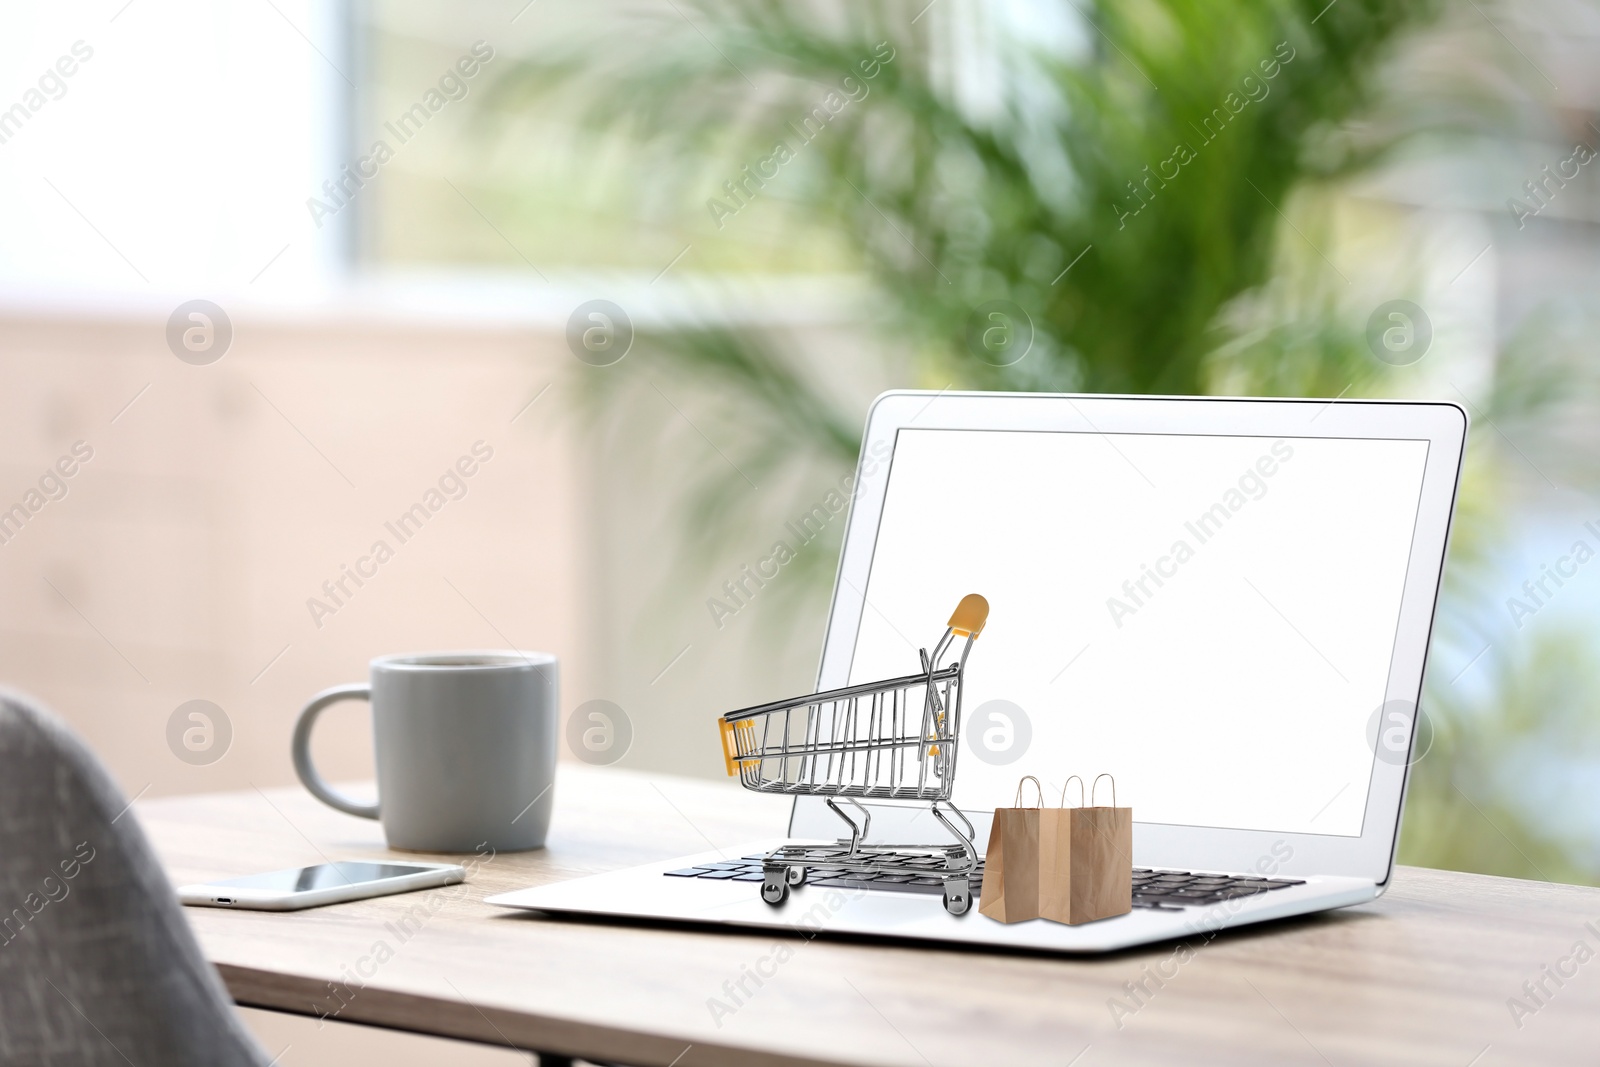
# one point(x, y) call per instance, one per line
point(218, 499)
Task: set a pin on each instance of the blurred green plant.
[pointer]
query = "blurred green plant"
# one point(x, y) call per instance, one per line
point(1493, 793)
point(1121, 186)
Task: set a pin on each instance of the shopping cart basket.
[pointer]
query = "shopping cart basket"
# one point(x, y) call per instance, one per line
point(891, 740)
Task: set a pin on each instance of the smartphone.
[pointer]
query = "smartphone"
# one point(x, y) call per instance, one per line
point(326, 883)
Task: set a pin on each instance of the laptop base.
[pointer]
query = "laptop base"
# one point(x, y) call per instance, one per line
point(649, 893)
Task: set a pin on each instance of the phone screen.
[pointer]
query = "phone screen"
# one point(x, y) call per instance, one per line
point(323, 876)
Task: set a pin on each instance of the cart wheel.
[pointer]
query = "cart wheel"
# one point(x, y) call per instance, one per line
point(774, 888)
point(796, 875)
point(957, 896)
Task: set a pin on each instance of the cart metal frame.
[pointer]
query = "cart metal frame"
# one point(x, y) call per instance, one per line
point(896, 739)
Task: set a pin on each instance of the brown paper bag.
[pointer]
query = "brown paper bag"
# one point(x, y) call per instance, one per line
point(1069, 865)
point(1011, 864)
point(1085, 859)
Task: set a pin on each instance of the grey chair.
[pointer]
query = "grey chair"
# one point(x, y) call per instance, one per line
point(97, 963)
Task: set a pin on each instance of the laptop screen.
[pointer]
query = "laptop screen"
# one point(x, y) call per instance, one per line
point(1210, 619)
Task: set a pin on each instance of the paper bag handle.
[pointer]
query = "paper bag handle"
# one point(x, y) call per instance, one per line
point(1069, 781)
point(1017, 803)
point(1097, 786)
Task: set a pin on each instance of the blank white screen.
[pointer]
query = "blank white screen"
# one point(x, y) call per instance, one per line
point(1235, 693)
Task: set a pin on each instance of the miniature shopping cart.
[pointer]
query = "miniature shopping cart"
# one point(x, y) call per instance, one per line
point(891, 740)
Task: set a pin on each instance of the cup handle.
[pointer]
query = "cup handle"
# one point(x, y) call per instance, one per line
point(301, 749)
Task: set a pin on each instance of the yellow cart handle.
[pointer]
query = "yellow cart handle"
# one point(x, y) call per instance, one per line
point(969, 616)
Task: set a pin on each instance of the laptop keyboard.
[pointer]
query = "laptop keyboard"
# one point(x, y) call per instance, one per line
point(913, 876)
point(1172, 890)
point(1157, 890)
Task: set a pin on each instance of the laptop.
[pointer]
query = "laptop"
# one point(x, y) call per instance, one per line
point(1225, 604)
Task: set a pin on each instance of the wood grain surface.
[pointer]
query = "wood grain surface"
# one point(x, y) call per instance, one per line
point(1431, 973)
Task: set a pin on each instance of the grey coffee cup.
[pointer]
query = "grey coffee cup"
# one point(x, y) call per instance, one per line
point(465, 745)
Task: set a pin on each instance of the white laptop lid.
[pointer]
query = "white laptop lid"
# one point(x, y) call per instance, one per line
point(1224, 603)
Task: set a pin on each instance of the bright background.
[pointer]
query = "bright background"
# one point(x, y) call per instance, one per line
point(990, 159)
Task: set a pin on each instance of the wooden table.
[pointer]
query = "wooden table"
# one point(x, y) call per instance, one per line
point(1432, 973)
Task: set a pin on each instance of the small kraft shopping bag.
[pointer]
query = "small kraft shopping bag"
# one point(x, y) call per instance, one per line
point(1085, 858)
point(1011, 864)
